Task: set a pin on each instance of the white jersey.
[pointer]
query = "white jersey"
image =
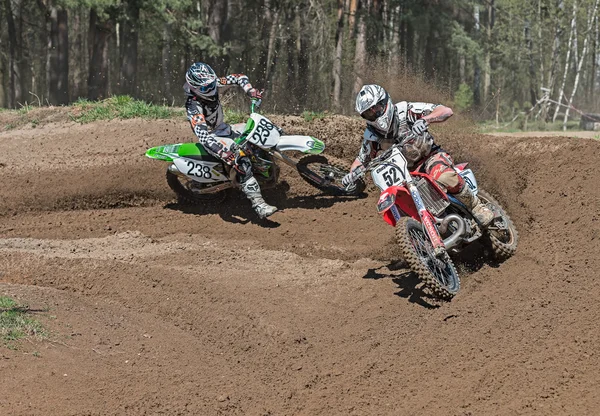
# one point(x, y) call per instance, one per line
point(406, 113)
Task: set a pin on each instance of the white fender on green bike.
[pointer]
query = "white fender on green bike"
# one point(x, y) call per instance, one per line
point(304, 144)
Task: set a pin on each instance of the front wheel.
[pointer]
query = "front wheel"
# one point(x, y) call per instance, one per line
point(437, 273)
point(327, 176)
point(186, 190)
point(502, 234)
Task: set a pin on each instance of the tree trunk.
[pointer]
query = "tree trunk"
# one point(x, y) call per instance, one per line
point(167, 61)
point(554, 58)
point(15, 93)
point(98, 65)
point(216, 21)
point(302, 57)
point(337, 62)
point(3, 77)
point(292, 63)
point(129, 47)
point(58, 56)
point(487, 78)
point(567, 61)
point(272, 57)
point(79, 62)
point(360, 53)
point(354, 4)
point(580, 63)
point(532, 73)
point(477, 69)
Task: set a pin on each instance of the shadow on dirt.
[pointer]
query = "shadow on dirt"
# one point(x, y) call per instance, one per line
point(237, 209)
point(468, 261)
point(410, 285)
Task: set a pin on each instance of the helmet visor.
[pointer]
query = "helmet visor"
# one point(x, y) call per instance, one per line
point(207, 87)
point(376, 111)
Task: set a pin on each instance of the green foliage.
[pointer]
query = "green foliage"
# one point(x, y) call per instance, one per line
point(463, 98)
point(234, 116)
point(313, 115)
point(15, 323)
point(121, 107)
point(464, 45)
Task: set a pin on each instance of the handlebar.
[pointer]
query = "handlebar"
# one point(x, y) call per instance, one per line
point(256, 102)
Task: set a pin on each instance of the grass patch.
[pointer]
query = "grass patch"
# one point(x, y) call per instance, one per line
point(15, 323)
point(235, 116)
point(313, 115)
point(121, 107)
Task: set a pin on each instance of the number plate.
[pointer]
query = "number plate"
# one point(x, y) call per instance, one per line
point(469, 178)
point(199, 170)
point(392, 172)
point(264, 134)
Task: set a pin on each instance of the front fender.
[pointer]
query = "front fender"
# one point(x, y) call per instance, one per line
point(403, 201)
point(304, 144)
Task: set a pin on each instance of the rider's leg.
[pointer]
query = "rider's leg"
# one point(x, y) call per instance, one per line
point(441, 167)
point(250, 187)
point(248, 183)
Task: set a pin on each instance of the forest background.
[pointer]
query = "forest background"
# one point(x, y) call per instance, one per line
point(497, 58)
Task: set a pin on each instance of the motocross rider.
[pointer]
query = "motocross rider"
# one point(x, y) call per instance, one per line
point(205, 113)
point(388, 124)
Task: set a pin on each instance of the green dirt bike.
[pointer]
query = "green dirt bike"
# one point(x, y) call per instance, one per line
point(198, 177)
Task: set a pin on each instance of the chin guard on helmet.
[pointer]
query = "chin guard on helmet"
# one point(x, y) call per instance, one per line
point(374, 104)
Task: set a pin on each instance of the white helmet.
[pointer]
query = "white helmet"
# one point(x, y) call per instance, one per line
point(202, 80)
point(374, 104)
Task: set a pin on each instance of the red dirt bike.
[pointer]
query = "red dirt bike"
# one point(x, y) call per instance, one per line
point(430, 223)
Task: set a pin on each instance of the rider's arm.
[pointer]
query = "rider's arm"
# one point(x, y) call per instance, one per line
point(440, 113)
point(431, 113)
point(236, 79)
point(200, 128)
point(365, 154)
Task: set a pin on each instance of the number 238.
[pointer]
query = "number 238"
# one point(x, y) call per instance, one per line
point(198, 170)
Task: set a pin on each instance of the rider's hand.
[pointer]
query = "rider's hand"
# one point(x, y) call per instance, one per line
point(420, 126)
point(348, 180)
point(255, 94)
point(229, 155)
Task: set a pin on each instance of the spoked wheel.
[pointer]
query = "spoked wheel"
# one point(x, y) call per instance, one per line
point(502, 234)
point(318, 171)
point(186, 190)
point(438, 274)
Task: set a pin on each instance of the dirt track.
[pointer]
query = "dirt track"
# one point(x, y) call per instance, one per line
point(161, 309)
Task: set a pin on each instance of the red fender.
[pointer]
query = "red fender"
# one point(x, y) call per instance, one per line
point(461, 166)
point(404, 201)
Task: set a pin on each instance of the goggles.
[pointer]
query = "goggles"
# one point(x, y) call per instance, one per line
point(376, 111)
point(207, 88)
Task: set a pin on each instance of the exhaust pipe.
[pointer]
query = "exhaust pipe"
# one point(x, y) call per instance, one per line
point(457, 235)
point(173, 169)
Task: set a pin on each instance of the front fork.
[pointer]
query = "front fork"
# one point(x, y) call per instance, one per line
point(427, 220)
point(284, 158)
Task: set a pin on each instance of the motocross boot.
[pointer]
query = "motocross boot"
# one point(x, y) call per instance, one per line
point(483, 214)
point(252, 190)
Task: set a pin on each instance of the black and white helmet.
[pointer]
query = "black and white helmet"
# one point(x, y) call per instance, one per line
point(374, 104)
point(202, 80)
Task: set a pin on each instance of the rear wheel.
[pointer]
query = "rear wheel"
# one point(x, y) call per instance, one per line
point(327, 176)
point(186, 190)
point(438, 274)
point(502, 234)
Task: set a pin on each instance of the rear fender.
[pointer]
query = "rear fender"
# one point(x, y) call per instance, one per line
point(170, 152)
point(304, 144)
point(403, 204)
